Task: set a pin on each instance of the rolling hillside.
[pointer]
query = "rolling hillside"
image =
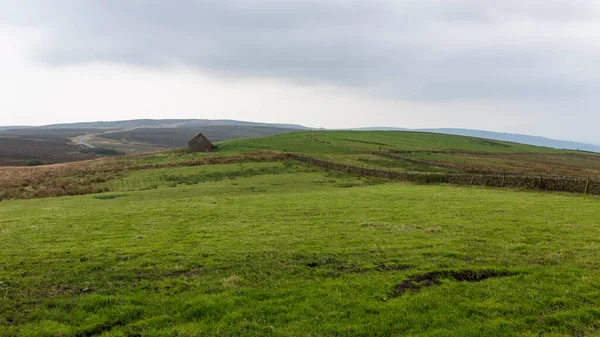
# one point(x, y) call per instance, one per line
point(507, 137)
point(161, 123)
point(383, 150)
point(57, 143)
point(73, 141)
point(518, 138)
point(361, 141)
point(20, 147)
point(390, 150)
point(425, 152)
point(178, 137)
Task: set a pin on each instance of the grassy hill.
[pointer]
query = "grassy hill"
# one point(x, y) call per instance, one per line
point(351, 142)
point(241, 242)
point(508, 137)
point(453, 153)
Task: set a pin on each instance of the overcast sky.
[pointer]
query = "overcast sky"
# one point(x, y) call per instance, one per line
point(510, 66)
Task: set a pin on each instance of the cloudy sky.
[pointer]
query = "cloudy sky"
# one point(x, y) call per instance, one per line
point(510, 66)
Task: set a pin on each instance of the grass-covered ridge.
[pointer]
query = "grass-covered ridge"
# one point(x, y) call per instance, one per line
point(354, 142)
point(424, 152)
point(274, 249)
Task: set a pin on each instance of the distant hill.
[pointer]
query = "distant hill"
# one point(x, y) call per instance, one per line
point(166, 123)
point(507, 137)
point(178, 136)
point(5, 128)
point(59, 143)
point(519, 138)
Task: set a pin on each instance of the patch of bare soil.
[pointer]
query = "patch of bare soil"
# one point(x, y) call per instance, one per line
point(415, 283)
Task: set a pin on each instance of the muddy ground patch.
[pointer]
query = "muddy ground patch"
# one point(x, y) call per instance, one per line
point(417, 282)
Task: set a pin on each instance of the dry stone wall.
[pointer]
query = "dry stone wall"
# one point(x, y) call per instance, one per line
point(547, 183)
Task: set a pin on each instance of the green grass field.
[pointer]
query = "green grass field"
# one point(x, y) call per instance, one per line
point(283, 249)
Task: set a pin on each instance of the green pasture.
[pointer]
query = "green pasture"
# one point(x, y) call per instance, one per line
point(282, 249)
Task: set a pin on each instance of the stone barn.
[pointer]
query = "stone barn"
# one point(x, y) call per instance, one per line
point(200, 144)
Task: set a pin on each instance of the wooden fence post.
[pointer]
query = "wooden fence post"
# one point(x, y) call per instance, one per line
point(587, 186)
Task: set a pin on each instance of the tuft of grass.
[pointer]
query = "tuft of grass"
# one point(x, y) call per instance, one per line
point(232, 281)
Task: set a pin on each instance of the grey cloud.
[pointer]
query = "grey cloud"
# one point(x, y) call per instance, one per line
point(414, 49)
